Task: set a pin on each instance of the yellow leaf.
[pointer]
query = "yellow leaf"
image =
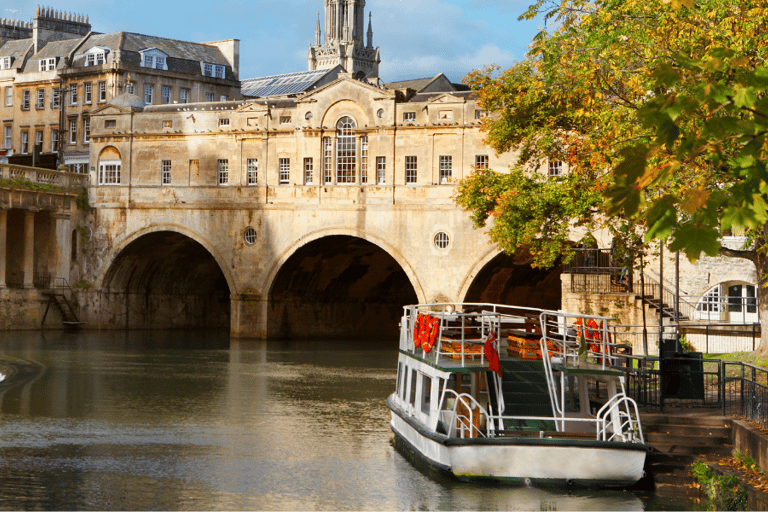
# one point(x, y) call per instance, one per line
point(695, 200)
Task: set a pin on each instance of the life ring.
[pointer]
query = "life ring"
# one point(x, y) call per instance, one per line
point(433, 328)
point(423, 329)
point(416, 329)
point(592, 333)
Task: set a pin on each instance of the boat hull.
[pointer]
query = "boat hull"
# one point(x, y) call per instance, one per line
point(524, 460)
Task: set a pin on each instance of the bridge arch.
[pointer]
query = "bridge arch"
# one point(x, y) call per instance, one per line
point(165, 276)
point(510, 279)
point(339, 283)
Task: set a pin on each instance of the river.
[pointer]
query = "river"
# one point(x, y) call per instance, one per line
point(193, 420)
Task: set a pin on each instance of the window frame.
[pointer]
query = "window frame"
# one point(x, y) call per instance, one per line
point(445, 171)
point(25, 99)
point(346, 151)
point(252, 171)
point(9, 96)
point(86, 130)
point(409, 117)
point(107, 176)
point(87, 93)
point(309, 164)
point(165, 172)
point(149, 94)
point(222, 167)
point(284, 171)
point(40, 103)
point(102, 92)
point(8, 136)
point(165, 94)
point(411, 170)
point(381, 170)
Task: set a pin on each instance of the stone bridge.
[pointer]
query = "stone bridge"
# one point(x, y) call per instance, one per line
point(311, 217)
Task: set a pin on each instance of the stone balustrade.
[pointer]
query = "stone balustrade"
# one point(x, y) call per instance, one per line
point(64, 181)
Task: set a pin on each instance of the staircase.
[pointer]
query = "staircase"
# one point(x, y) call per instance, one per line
point(679, 439)
point(524, 388)
point(65, 306)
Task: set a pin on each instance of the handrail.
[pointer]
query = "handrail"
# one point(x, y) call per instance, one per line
point(462, 398)
point(612, 407)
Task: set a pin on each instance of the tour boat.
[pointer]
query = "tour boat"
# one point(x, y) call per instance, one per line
point(487, 391)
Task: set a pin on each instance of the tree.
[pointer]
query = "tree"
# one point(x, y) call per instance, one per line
point(656, 105)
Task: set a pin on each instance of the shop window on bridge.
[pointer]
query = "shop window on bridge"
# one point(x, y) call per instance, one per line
point(346, 151)
point(729, 302)
point(110, 173)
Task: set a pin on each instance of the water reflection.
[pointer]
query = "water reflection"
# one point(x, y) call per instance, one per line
point(190, 420)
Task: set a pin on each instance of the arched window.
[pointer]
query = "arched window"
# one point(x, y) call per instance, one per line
point(733, 302)
point(346, 151)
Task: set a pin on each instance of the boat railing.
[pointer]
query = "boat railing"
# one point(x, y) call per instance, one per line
point(627, 430)
point(466, 415)
point(456, 333)
point(615, 420)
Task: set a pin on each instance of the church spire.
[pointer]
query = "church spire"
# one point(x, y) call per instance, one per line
point(317, 31)
point(370, 31)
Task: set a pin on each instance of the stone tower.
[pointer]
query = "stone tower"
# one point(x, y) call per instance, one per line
point(345, 40)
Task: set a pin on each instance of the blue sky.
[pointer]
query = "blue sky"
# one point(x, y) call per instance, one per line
point(417, 38)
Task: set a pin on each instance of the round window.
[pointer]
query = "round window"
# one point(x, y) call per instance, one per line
point(380, 113)
point(442, 240)
point(308, 116)
point(249, 235)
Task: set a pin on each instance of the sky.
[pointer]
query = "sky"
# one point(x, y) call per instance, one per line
point(417, 38)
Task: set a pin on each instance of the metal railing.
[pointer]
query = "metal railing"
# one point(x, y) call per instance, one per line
point(595, 271)
point(708, 338)
point(64, 181)
point(731, 387)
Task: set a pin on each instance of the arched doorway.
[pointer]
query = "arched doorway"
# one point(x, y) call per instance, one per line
point(339, 287)
point(166, 280)
point(511, 280)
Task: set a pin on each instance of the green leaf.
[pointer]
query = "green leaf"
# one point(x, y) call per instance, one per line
point(694, 240)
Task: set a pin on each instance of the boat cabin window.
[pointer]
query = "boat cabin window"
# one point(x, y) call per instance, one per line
point(412, 399)
point(426, 394)
point(399, 388)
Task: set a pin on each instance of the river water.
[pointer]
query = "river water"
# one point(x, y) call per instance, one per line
point(193, 420)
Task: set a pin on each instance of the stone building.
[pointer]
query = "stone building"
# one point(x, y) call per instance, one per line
point(55, 73)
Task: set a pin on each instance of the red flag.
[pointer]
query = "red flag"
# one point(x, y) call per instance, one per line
point(492, 355)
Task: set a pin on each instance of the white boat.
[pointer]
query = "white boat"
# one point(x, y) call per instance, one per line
point(515, 394)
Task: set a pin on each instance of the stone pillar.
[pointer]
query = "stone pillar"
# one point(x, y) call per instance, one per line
point(60, 247)
point(3, 245)
point(29, 249)
point(248, 315)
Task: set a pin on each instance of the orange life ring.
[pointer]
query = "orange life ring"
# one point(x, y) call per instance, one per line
point(416, 329)
point(432, 329)
point(423, 329)
point(592, 333)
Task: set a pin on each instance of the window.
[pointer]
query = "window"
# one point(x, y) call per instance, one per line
point(207, 69)
point(409, 117)
point(209, 96)
point(8, 139)
point(160, 62)
point(148, 61)
point(56, 100)
point(249, 235)
point(184, 96)
point(308, 168)
point(8, 96)
point(87, 92)
point(73, 94)
point(166, 95)
point(25, 100)
point(167, 124)
point(285, 119)
point(73, 131)
point(47, 64)
point(40, 99)
point(285, 170)
point(346, 151)
point(5, 63)
point(412, 397)
point(481, 162)
point(308, 116)
point(54, 139)
point(86, 130)
point(165, 172)
point(24, 142)
point(130, 88)
point(109, 173)
point(222, 98)
point(364, 159)
point(38, 141)
point(381, 170)
point(426, 394)
point(411, 169)
point(223, 167)
point(219, 71)
point(102, 92)
point(380, 113)
point(446, 167)
point(148, 90)
point(95, 59)
point(224, 121)
point(442, 240)
point(555, 168)
point(327, 160)
point(253, 171)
